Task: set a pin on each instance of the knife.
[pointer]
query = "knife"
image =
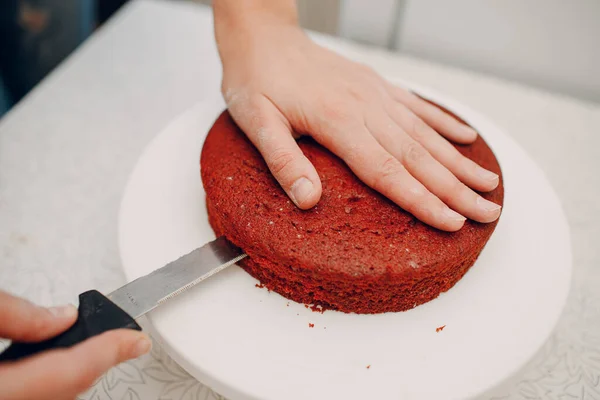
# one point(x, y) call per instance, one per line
point(98, 313)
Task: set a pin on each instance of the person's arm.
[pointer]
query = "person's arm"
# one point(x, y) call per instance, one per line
point(277, 83)
point(64, 373)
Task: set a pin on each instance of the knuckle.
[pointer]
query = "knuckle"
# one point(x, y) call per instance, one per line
point(387, 174)
point(232, 95)
point(456, 190)
point(460, 162)
point(225, 89)
point(438, 115)
point(263, 135)
point(424, 208)
point(125, 347)
point(424, 211)
point(280, 160)
point(419, 128)
point(413, 152)
point(245, 106)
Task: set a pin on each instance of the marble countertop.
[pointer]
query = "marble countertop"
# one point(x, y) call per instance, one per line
point(66, 151)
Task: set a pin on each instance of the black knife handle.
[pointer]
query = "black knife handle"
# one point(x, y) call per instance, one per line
point(97, 314)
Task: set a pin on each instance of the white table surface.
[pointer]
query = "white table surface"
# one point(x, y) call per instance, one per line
point(66, 151)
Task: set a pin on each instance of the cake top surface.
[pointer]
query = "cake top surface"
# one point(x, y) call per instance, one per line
point(352, 230)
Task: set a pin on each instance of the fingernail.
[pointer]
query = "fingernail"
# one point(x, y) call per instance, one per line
point(453, 215)
point(485, 174)
point(301, 190)
point(468, 131)
point(486, 205)
point(67, 311)
point(142, 346)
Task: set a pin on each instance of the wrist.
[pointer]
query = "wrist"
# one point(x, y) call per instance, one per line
point(233, 16)
point(238, 22)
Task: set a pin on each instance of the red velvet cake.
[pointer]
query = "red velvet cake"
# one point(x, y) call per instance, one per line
point(355, 251)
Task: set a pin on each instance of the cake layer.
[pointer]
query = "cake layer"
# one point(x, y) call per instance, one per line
point(355, 251)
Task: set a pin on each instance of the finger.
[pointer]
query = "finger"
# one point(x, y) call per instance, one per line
point(463, 168)
point(268, 129)
point(383, 172)
point(23, 321)
point(442, 122)
point(62, 374)
point(431, 173)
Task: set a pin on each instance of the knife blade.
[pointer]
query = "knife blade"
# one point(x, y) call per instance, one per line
point(144, 294)
point(98, 313)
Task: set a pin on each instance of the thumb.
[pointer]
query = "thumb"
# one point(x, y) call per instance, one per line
point(270, 132)
point(64, 373)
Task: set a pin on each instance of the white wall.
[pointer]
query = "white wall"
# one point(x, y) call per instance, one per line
point(371, 22)
point(553, 44)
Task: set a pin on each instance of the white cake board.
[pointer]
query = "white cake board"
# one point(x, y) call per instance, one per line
point(247, 343)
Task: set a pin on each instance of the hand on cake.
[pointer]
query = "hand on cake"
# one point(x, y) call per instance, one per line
point(278, 84)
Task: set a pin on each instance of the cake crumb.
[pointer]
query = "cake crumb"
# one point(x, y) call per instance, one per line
point(317, 308)
point(311, 325)
point(369, 366)
point(288, 304)
point(306, 306)
point(259, 285)
point(441, 328)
